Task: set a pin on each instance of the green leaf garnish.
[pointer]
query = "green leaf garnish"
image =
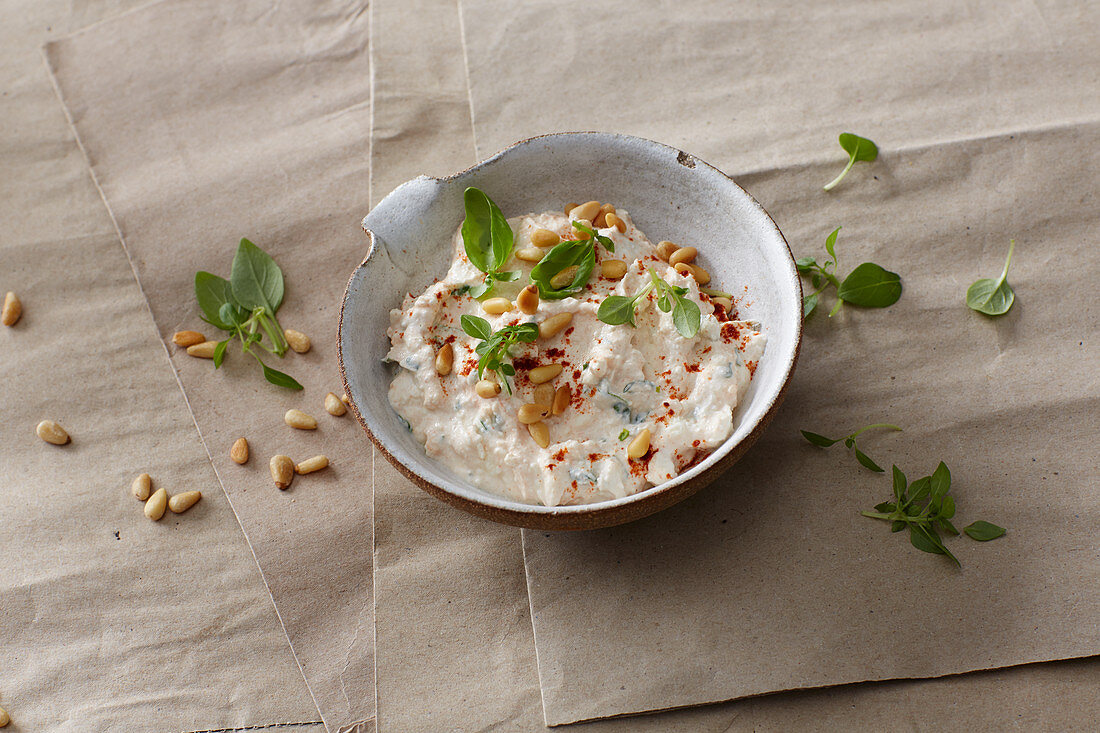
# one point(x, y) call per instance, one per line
point(580, 253)
point(487, 239)
point(493, 349)
point(624, 434)
point(616, 310)
point(993, 297)
point(983, 531)
point(858, 148)
point(869, 285)
point(850, 442)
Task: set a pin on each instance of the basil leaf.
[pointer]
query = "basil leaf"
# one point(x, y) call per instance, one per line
point(476, 291)
point(858, 149)
point(819, 439)
point(256, 280)
point(941, 481)
point(897, 525)
point(919, 489)
point(984, 531)
point(219, 353)
point(616, 310)
point(899, 485)
point(526, 332)
point(865, 460)
point(566, 254)
point(946, 525)
point(830, 243)
point(507, 276)
point(947, 507)
point(279, 378)
point(871, 286)
point(990, 297)
point(885, 506)
point(809, 303)
point(805, 264)
point(686, 317)
point(213, 292)
point(486, 235)
point(477, 327)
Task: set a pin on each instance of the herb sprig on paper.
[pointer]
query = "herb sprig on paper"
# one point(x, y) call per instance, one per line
point(493, 349)
point(487, 239)
point(578, 253)
point(869, 285)
point(619, 309)
point(858, 149)
point(993, 297)
point(850, 442)
point(245, 306)
point(925, 508)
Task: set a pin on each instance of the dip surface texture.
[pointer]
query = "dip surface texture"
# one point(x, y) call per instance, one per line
point(622, 380)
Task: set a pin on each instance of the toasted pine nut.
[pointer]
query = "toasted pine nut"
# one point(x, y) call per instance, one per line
point(570, 207)
point(187, 338)
point(444, 360)
point(614, 269)
point(563, 278)
point(142, 486)
point(608, 208)
point(13, 308)
point(158, 502)
point(282, 471)
point(51, 432)
point(665, 249)
point(684, 254)
point(725, 303)
point(298, 341)
point(530, 254)
point(585, 211)
point(562, 398)
point(239, 451)
point(613, 220)
point(540, 433)
point(544, 238)
point(183, 501)
point(531, 413)
point(334, 406)
point(496, 306)
point(701, 276)
point(544, 395)
point(528, 299)
point(487, 389)
point(299, 420)
point(205, 350)
point(554, 324)
point(345, 399)
point(4, 717)
point(600, 222)
point(311, 464)
point(639, 446)
point(544, 373)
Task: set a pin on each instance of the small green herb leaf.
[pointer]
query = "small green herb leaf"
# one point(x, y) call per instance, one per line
point(858, 149)
point(212, 293)
point(569, 253)
point(805, 264)
point(830, 243)
point(219, 353)
point(850, 442)
point(984, 531)
point(870, 286)
point(865, 460)
point(993, 297)
point(279, 378)
point(256, 279)
point(819, 439)
point(617, 310)
point(624, 434)
point(476, 327)
point(809, 303)
point(686, 317)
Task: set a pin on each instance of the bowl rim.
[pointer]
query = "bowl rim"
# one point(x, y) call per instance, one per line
point(599, 514)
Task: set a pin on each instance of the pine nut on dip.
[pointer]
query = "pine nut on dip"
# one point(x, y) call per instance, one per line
point(654, 367)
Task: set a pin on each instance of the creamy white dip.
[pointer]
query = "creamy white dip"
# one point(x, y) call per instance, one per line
point(624, 379)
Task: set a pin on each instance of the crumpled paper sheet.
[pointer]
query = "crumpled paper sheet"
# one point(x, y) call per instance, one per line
point(455, 674)
point(204, 122)
point(110, 621)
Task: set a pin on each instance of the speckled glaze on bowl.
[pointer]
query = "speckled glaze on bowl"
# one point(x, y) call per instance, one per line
point(668, 193)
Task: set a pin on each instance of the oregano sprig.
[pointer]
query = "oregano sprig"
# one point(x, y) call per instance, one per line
point(869, 285)
point(619, 309)
point(850, 442)
point(493, 350)
point(487, 239)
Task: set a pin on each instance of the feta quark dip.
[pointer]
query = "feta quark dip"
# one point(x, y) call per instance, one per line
point(606, 365)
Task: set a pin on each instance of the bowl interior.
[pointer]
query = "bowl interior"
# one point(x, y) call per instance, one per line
point(669, 195)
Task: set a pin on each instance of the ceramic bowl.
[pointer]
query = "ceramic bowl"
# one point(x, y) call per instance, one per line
point(668, 193)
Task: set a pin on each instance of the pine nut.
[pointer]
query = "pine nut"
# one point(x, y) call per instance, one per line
point(13, 308)
point(531, 413)
point(528, 300)
point(725, 303)
point(51, 432)
point(553, 325)
point(563, 278)
point(487, 389)
point(187, 338)
point(530, 254)
point(665, 249)
point(570, 207)
point(205, 350)
point(544, 395)
point(585, 223)
point(613, 269)
point(684, 254)
point(311, 464)
point(600, 222)
point(613, 220)
point(540, 433)
point(444, 360)
point(282, 471)
point(585, 211)
point(544, 238)
point(701, 276)
point(298, 341)
point(344, 398)
point(639, 446)
point(608, 208)
point(334, 406)
point(154, 508)
point(142, 486)
point(299, 420)
point(4, 717)
point(184, 501)
point(496, 306)
point(562, 398)
point(544, 373)
point(239, 451)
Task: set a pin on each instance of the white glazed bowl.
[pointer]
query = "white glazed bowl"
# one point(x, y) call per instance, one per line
point(669, 195)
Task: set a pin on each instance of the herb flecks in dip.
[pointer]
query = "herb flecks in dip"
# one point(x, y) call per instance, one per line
point(584, 410)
